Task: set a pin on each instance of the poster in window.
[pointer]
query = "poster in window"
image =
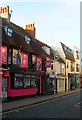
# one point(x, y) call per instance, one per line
point(3, 55)
point(39, 64)
point(24, 62)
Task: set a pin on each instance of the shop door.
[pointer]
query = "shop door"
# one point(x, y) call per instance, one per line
point(4, 87)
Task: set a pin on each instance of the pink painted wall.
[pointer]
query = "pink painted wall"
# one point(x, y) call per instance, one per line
point(22, 92)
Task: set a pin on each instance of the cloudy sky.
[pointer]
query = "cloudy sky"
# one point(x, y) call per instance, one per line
point(54, 21)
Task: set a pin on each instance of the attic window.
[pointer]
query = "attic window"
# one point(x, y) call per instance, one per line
point(28, 39)
point(9, 31)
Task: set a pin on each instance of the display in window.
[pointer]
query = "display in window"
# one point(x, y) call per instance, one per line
point(19, 57)
point(39, 63)
point(26, 82)
point(24, 62)
point(33, 81)
point(14, 56)
point(18, 82)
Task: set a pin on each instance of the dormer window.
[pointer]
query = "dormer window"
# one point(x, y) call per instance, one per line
point(28, 39)
point(8, 31)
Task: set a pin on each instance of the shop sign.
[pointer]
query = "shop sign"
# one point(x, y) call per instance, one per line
point(48, 63)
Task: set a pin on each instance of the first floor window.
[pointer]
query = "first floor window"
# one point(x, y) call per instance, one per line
point(14, 56)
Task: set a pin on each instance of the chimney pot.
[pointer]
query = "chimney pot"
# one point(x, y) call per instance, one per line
point(31, 30)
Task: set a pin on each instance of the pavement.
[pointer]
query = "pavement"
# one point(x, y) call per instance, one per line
point(28, 101)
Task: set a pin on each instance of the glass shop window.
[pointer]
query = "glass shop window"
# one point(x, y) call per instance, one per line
point(27, 82)
point(33, 81)
point(18, 82)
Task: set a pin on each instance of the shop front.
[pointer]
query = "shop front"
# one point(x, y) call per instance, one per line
point(77, 80)
point(60, 83)
point(71, 81)
point(23, 83)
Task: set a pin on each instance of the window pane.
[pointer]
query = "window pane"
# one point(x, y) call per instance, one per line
point(33, 81)
point(14, 56)
point(18, 82)
point(27, 82)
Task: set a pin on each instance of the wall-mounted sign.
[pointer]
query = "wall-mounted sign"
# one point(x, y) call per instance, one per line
point(48, 63)
point(3, 55)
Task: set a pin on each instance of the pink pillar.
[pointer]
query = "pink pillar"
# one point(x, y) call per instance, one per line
point(0, 85)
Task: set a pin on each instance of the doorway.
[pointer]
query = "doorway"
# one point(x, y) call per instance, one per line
point(4, 87)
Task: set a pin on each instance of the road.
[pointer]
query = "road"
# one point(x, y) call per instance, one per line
point(63, 107)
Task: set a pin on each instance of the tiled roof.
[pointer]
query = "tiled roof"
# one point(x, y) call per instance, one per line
point(18, 40)
point(69, 55)
point(37, 46)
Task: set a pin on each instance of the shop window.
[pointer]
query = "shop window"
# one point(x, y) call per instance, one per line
point(27, 81)
point(33, 81)
point(18, 82)
point(61, 83)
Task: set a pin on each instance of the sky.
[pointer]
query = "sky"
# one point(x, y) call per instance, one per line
point(55, 21)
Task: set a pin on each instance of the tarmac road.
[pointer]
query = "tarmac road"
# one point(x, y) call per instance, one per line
point(63, 107)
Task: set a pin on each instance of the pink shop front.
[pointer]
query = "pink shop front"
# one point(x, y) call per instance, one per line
point(18, 81)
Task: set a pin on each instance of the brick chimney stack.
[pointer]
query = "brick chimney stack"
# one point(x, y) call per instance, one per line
point(30, 28)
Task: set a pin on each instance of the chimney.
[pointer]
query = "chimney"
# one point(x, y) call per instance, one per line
point(30, 28)
point(4, 12)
